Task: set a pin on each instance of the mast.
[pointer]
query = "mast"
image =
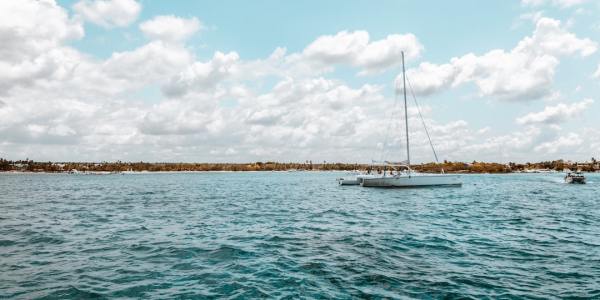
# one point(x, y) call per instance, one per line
point(405, 112)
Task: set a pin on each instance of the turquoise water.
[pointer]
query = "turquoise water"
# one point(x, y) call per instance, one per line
point(290, 235)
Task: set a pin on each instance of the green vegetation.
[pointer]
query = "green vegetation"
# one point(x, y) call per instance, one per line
point(449, 167)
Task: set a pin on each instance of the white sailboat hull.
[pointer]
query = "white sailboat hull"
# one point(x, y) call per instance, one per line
point(420, 180)
point(356, 180)
point(348, 181)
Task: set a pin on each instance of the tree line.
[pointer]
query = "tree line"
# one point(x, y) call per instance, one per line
point(449, 167)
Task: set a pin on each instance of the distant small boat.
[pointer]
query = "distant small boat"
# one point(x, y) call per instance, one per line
point(576, 177)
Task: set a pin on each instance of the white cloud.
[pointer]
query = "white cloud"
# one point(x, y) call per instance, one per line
point(355, 48)
point(62, 122)
point(430, 78)
point(556, 114)
point(526, 72)
point(32, 35)
point(504, 75)
point(513, 146)
point(153, 62)
point(61, 104)
point(561, 143)
point(552, 39)
point(180, 118)
point(108, 13)
point(299, 115)
point(170, 28)
point(291, 120)
point(229, 151)
point(30, 28)
point(201, 76)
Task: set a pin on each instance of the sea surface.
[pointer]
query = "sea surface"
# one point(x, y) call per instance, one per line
point(296, 235)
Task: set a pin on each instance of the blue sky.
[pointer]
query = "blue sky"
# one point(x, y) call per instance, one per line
point(199, 81)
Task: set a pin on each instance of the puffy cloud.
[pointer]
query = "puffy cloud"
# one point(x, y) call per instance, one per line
point(550, 38)
point(355, 48)
point(180, 118)
point(563, 142)
point(108, 13)
point(170, 28)
point(299, 115)
point(500, 74)
point(290, 120)
point(148, 63)
point(264, 117)
point(533, 143)
point(32, 34)
point(202, 76)
point(513, 146)
point(27, 121)
point(556, 114)
point(526, 72)
point(30, 28)
point(28, 72)
point(61, 104)
point(430, 78)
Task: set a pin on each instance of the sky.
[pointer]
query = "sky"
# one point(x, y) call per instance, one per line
point(291, 81)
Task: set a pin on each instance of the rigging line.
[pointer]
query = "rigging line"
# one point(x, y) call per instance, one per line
point(387, 132)
point(422, 120)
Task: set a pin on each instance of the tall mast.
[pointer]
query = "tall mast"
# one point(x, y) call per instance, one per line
point(405, 112)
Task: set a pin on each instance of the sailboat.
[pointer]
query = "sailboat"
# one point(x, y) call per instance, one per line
point(408, 177)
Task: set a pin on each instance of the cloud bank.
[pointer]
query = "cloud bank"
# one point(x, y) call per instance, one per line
point(59, 103)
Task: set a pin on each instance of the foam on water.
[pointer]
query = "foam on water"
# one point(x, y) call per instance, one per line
point(258, 235)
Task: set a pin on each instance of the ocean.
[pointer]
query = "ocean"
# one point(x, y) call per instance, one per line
point(296, 235)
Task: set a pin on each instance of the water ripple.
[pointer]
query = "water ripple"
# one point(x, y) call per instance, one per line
point(296, 235)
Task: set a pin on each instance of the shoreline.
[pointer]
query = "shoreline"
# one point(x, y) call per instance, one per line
point(456, 167)
point(244, 171)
